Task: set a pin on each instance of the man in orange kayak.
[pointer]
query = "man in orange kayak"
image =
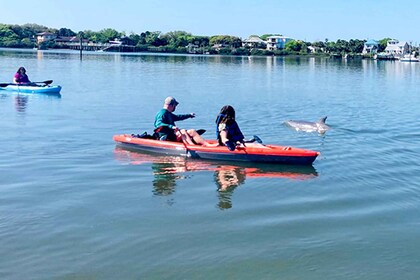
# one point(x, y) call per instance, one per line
point(165, 128)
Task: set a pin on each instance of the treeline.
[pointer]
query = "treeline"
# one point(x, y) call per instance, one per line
point(24, 36)
point(353, 46)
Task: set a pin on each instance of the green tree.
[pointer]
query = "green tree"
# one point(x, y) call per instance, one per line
point(330, 46)
point(23, 32)
point(226, 40)
point(108, 34)
point(8, 38)
point(294, 46)
point(66, 32)
point(202, 41)
point(151, 38)
point(89, 35)
point(356, 46)
point(342, 46)
point(382, 44)
point(265, 36)
point(135, 38)
point(177, 38)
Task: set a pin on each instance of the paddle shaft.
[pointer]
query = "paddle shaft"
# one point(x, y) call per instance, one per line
point(12, 84)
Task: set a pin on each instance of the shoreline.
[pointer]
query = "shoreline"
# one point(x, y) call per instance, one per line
point(71, 51)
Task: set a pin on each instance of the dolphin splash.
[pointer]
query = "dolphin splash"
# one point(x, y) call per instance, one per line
point(318, 126)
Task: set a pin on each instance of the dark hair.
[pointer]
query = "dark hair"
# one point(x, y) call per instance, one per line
point(21, 68)
point(226, 115)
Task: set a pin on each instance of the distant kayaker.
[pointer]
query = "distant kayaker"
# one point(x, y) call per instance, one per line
point(165, 128)
point(227, 130)
point(21, 77)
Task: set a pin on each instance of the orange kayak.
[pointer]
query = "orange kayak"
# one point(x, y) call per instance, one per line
point(251, 152)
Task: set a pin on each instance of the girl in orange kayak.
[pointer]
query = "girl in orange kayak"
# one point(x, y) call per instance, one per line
point(227, 130)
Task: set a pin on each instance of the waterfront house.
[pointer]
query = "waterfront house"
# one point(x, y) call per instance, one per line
point(66, 39)
point(193, 48)
point(254, 42)
point(314, 49)
point(219, 46)
point(277, 42)
point(45, 37)
point(69, 41)
point(370, 47)
point(396, 48)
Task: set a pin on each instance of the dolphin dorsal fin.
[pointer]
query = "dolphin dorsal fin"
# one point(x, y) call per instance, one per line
point(322, 120)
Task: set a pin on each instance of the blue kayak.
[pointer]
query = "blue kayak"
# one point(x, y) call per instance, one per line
point(44, 89)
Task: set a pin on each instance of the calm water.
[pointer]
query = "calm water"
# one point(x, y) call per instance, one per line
point(73, 206)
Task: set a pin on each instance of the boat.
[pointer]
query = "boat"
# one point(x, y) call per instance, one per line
point(43, 89)
point(409, 58)
point(250, 152)
point(384, 56)
point(33, 88)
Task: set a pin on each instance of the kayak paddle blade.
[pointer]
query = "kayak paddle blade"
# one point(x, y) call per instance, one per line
point(201, 131)
point(258, 139)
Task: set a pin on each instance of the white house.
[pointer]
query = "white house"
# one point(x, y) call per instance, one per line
point(45, 37)
point(277, 42)
point(397, 48)
point(254, 42)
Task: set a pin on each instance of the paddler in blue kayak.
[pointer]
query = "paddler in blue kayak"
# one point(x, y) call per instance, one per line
point(165, 128)
point(21, 77)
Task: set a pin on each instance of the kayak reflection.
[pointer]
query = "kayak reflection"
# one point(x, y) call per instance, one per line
point(21, 102)
point(167, 170)
point(227, 178)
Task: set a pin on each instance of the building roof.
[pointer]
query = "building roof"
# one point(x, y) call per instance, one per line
point(45, 33)
point(372, 42)
point(67, 39)
point(254, 39)
point(278, 37)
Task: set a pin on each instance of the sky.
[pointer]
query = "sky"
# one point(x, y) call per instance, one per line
point(309, 20)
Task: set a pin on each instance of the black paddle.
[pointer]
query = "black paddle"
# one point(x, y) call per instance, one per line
point(232, 145)
point(201, 131)
point(258, 139)
point(255, 139)
point(47, 82)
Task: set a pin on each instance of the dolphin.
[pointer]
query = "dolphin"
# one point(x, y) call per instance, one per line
point(318, 126)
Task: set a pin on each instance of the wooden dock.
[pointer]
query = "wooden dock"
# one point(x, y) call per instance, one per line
point(105, 47)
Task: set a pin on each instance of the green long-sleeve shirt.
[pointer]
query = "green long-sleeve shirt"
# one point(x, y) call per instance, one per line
point(166, 118)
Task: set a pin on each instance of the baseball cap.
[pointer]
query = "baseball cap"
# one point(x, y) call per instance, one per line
point(171, 101)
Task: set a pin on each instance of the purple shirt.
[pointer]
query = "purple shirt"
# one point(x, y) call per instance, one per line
point(22, 78)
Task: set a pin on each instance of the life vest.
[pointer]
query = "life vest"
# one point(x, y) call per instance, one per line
point(234, 134)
